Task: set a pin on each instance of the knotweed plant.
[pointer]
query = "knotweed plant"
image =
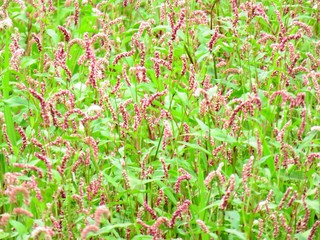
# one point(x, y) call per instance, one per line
point(160, 119)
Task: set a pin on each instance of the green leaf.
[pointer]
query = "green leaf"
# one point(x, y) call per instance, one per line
point(202, 52)
point(313, 204)
point(42, 75)
point(307, 141)
point(195, 146)
point(108, 228)
point(222, 135)
point(17, 101)
point(113, 182)
point(19, 227)
point(202, 57)
point(56, 176)
point(161, 28)
point(252, 141)
point(202, 125)
point(3, 235)
point(142, 237)
point(214, 204)
point(302, 235)
point(183, 97)
point(27, 61)
point(53, 35)
point(234, 218)
point(237, 233)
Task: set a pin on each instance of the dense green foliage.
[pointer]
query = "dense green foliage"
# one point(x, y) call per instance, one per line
point(160, 119)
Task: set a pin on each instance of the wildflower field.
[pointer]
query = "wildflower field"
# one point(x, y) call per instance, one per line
point(139, 120)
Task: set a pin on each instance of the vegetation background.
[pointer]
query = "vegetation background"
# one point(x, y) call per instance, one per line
point(159, 119)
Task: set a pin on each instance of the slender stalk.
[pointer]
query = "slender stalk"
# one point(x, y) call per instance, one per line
point(8, 114)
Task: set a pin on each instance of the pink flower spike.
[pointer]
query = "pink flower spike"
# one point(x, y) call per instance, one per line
point(21, 211)
point(87, 230)
point(101, 211)
point(180, 179)
point(183, 208)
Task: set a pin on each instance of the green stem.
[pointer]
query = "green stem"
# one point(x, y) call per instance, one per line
point(6, 94)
